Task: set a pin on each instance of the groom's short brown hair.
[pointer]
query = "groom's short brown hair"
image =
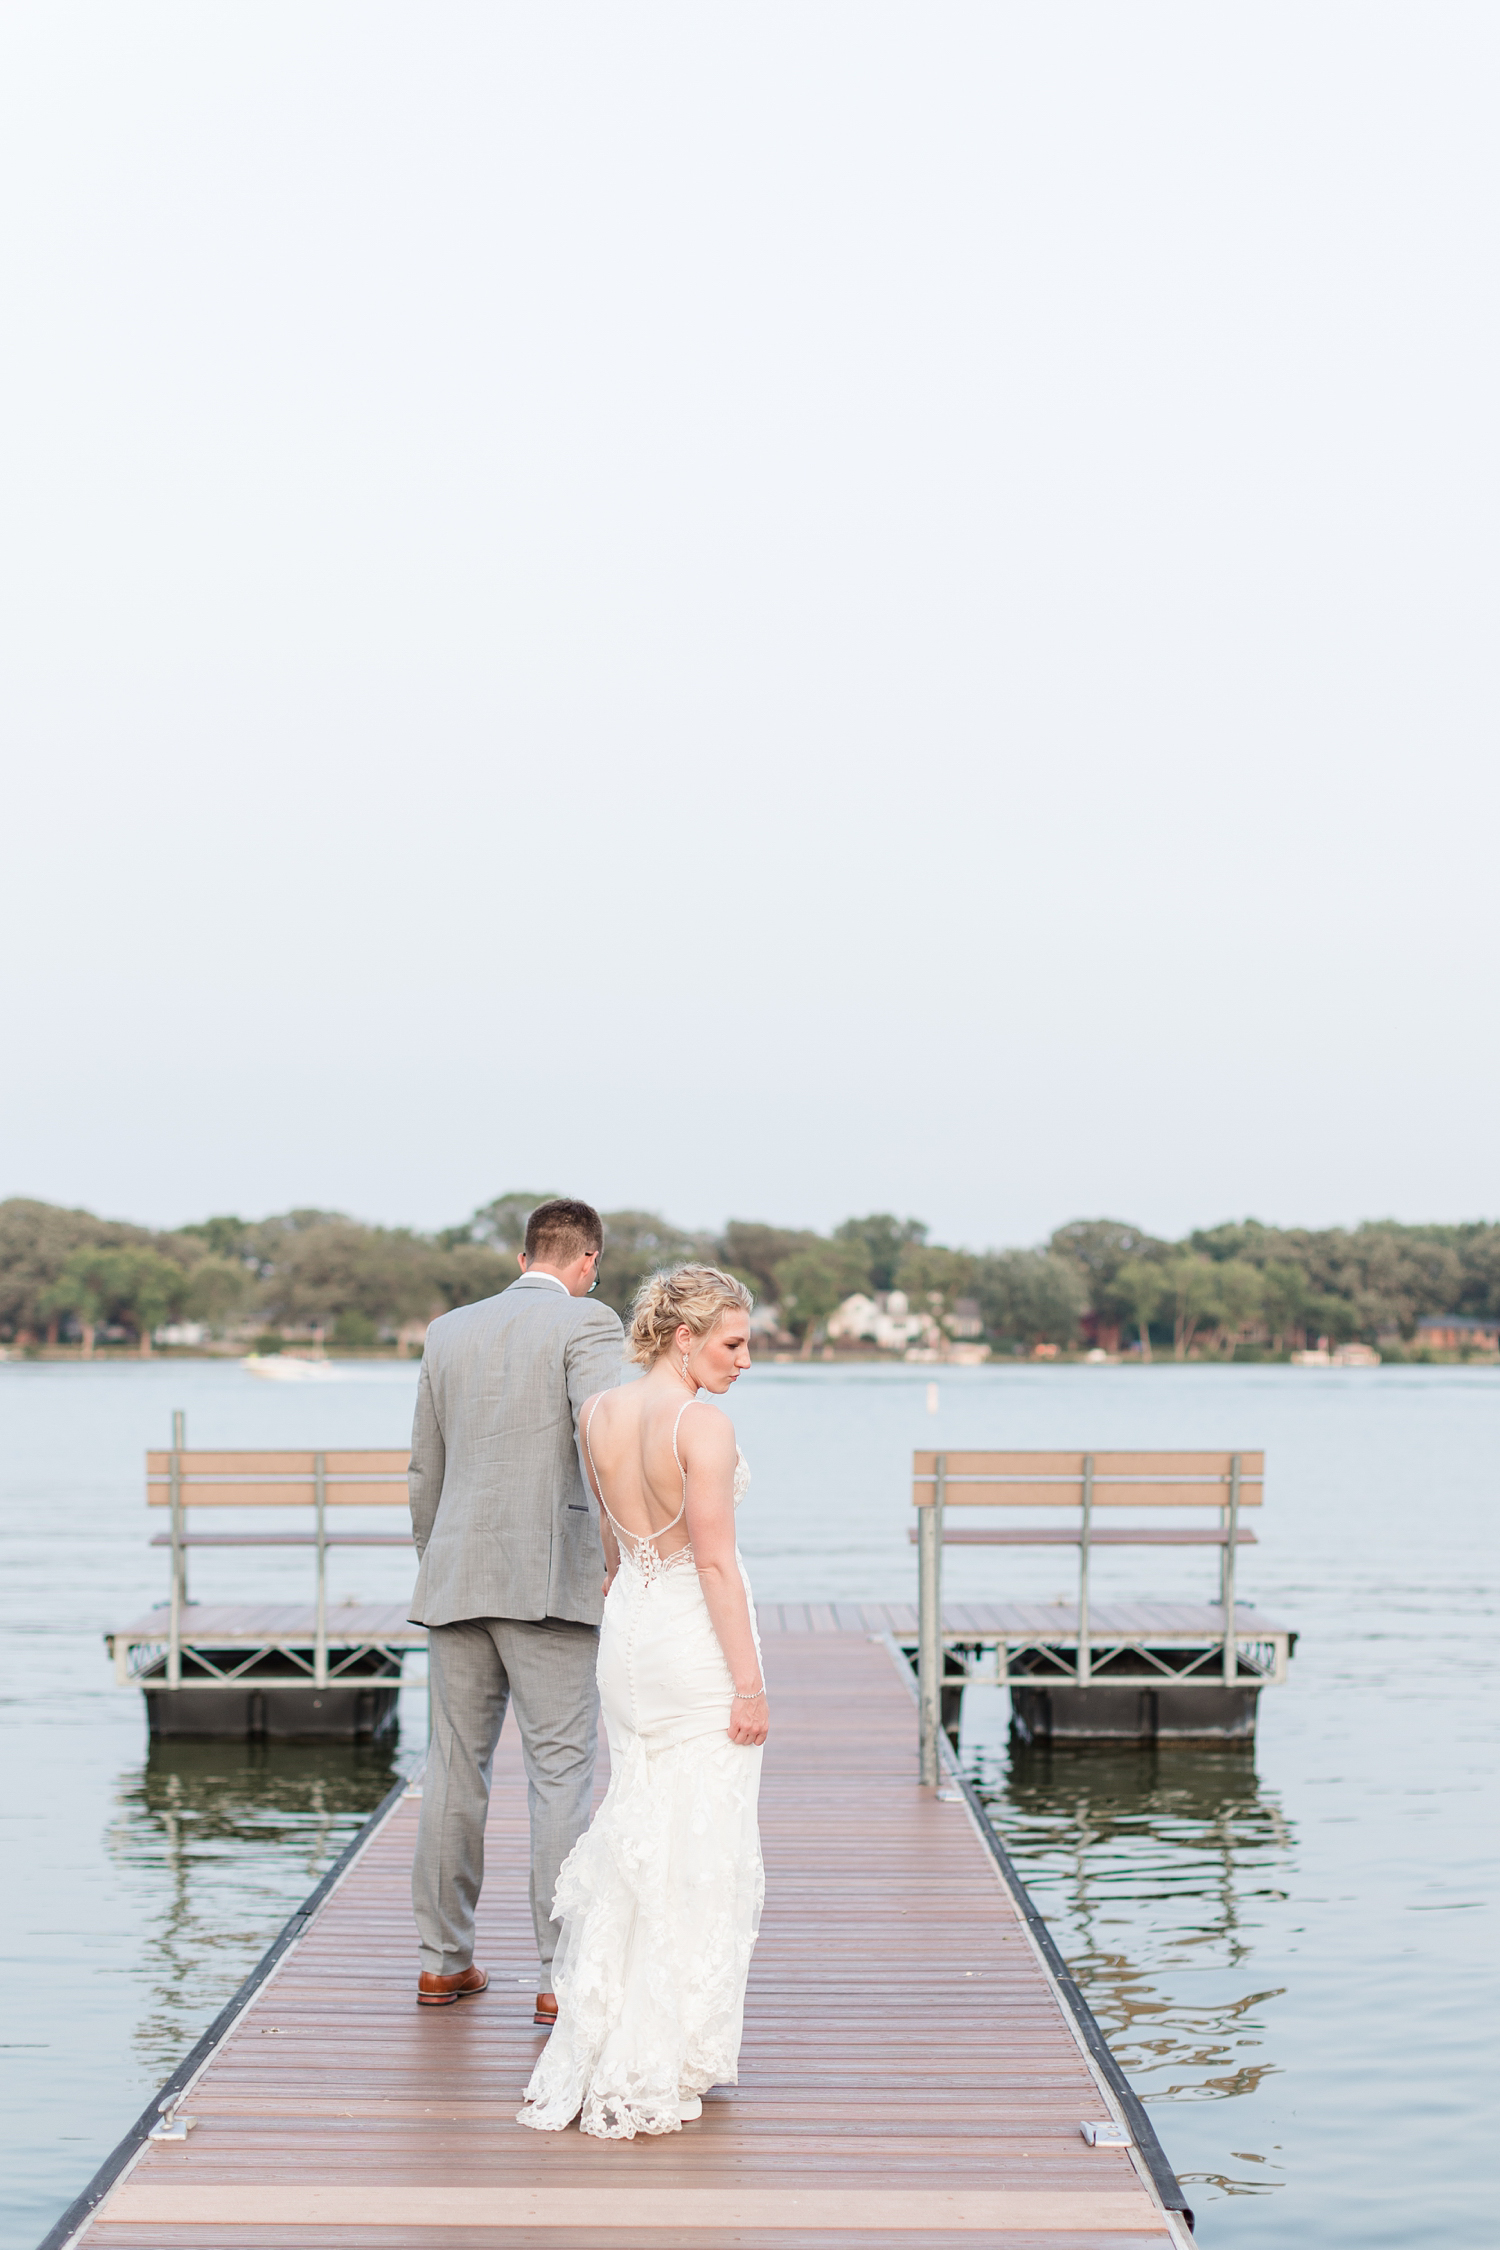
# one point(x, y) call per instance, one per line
point(563, 1230)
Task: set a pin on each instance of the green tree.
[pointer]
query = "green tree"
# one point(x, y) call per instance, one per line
point(144, 1290)
point(1240, 1293)
point(1193, 1286)
point(933, 1277)
point(336, 1266)
point(501, 1224)
point(36, 1242)
point(1332, 1316)
point(1284, 1302)
point(1030, 1297)
point(465, 1272)
point(1101, 1247)
point(886, 1241)
point(75, 1290)
point(223, 1238)
point(637, 1243)
point(216, 1289)
point(755, 1252)
point(1141, 1286)
point(135, 1288)
point(1478, 1251)
point(813, 1282)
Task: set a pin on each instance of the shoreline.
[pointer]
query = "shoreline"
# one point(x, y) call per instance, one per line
point(175, 1355)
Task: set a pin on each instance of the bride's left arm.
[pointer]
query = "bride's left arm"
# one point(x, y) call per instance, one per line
point(706, 1443)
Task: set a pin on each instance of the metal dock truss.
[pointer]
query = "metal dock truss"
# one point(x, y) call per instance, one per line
point(1086, 1670)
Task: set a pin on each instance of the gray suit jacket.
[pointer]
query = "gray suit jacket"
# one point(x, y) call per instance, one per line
point(505, 1525)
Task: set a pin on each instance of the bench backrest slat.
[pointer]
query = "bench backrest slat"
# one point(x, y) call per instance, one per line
point(1055, 1480)
point(361, 1479)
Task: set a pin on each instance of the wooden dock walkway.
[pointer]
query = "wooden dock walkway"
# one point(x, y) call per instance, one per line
point(912, 2073)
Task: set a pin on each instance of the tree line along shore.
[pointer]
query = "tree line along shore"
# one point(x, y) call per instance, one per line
point(78, 1285)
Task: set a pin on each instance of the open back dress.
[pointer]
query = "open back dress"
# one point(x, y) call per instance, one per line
point(660, 1900)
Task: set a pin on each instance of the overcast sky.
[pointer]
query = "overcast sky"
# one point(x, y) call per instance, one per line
point(764, 611)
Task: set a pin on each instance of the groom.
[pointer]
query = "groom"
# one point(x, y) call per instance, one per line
point(510, 1581)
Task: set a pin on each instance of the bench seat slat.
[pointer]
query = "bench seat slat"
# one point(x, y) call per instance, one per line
point(996, 1537)
point(1069, 1494)
point(296, 1492)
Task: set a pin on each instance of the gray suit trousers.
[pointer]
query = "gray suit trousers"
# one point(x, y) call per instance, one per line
point(476, 1667)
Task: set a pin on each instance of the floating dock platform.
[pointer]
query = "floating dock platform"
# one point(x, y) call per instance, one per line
point(248, 1671)
point(268, 1671)
point(1087, 1671)
point(917, 2071)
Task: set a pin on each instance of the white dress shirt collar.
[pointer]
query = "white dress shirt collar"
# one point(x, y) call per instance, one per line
point(531, 1275)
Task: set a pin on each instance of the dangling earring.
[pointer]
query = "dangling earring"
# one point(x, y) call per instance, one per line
point(686, 1375)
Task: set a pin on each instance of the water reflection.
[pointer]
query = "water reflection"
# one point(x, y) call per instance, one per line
point(1155, 1870)
point(221, 1841)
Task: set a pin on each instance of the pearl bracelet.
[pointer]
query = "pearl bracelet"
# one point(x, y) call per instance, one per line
point(753, 1697)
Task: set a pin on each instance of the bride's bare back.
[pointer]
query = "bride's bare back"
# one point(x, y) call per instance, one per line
point(636, 1466)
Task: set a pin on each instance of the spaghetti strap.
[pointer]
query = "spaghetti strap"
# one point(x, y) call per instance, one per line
point(676, 1456)
point(593, 1464)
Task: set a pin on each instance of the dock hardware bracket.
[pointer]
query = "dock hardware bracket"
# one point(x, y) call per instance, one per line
point(170, 2126)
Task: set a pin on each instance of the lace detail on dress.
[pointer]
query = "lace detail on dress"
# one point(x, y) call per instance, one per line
point(644, 1557)
point(661, 1904)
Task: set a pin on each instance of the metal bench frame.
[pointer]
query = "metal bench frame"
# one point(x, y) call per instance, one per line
point(1226, 1482)
point(180, 1480)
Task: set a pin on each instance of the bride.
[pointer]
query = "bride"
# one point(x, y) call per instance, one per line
point(660, 1901)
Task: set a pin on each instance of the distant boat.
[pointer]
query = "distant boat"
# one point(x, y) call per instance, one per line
point(283, 1367)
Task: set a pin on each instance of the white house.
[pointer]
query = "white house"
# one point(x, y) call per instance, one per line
point(887, 1321)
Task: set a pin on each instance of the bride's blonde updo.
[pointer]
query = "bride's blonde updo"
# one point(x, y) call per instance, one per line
point(695, 1297)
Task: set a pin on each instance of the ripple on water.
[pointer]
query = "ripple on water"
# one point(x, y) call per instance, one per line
point(1155, 1871)
point(220, 1842)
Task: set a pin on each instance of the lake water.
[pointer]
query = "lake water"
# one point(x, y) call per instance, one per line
point(1293, 1953)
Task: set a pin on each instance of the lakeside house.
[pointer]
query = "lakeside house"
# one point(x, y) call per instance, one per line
point(1456, 1332)
point(886, 1321)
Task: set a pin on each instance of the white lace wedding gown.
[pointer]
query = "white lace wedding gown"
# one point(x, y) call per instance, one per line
point(660, 1901)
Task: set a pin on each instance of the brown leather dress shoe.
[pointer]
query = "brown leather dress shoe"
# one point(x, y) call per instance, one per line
point(546, 2010)
point(441, 1992)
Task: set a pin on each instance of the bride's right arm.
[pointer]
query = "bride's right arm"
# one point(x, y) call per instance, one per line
point(706, 1443)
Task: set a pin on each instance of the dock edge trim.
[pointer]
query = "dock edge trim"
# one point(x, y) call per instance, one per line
point(82, 2208)
point(1097, 2047)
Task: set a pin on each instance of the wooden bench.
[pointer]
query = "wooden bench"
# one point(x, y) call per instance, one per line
point(1084, 1483)
point(180, 1480)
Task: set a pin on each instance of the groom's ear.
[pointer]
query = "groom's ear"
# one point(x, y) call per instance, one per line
point(521, 1260)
